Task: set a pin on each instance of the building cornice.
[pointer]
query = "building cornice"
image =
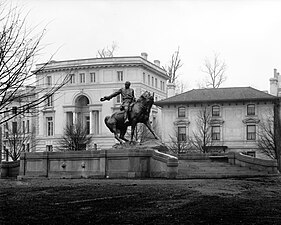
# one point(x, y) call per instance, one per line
point(271, 100)
point(100, 63)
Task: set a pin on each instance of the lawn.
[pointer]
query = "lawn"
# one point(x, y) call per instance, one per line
point(110, 201)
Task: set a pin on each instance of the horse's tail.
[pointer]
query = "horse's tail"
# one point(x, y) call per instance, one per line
point(107, 123)
point(106, 119)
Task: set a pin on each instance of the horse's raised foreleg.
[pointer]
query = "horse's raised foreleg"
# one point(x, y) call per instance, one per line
point(147, 123)
point(114, 131)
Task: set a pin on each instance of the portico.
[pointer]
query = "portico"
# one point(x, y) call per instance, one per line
point(85, 113)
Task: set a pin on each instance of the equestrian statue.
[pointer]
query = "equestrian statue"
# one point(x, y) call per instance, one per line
point(131, 113)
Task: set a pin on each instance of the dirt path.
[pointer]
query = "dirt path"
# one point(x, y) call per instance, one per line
point(88, 201)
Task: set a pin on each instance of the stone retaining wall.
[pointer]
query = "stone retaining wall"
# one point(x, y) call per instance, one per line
point(112, 163)
point(237, 158)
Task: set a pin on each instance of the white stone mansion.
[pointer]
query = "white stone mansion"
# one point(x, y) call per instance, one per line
point(90, 80)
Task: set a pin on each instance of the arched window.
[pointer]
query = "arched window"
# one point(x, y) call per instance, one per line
point(82, 101)
point(251, 110)
point(215, 110)
point(181, 111)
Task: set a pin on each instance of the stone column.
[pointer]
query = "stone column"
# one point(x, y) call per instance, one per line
point(91, 122)
point(74, 114)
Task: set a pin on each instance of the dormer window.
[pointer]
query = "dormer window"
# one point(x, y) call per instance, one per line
point(251, 110)
point(181, 111)
point(215, 110)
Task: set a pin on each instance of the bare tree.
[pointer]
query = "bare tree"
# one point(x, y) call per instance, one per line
point(202, 137)
point(266, 137)
point(108, 51)
point(180, 87)
point(179, 144)
point(277, 131)
point(19, 47)
point(75, 138)
point(18, 138)
point(215, 70)
point(174, 65)
point(145, 134)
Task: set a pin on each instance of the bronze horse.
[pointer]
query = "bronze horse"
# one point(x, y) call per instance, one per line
point(139, 113)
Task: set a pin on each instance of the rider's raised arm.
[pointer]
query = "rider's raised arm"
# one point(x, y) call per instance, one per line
point(115, 94)
point(112, 95)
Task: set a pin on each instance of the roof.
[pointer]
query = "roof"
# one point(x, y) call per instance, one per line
point(218, 95)
point(127, 61)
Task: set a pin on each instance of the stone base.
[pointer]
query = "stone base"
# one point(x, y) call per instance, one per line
point(126, 162)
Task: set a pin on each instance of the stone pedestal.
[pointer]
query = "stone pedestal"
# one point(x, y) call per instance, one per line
point(121, 162)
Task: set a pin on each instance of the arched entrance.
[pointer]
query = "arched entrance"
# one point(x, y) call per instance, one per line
point(82, 111)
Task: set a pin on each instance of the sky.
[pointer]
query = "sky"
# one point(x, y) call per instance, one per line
point(245, 34)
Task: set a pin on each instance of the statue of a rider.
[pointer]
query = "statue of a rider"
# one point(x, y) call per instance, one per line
point(127, 97)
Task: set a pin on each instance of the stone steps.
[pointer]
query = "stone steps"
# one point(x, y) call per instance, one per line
point(209, 169)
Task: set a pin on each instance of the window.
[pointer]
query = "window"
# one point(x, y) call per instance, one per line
point(69, 118)
point(118, 99)
point(152, 81)
point(156, 83)
point(120, 75)
point(95, 122)
point(49, 101)
point(93, 77)
point(6, 113)
point(23, 126)
point(82, 77)
point(72, 78)
point(181, 112)
point(215, 132)
point(88, 124)
point(49, 148)
point(181, 133)
point(49, 80)
point(251, 132)
point(216, 110)
point(27, 147)
point(14, 110)
point(14, 127)
point(251, 110)
point(50, 126)
point(161, 85)
point(3, 153)
point(27, 126)
point(148, 79)
point(143, 78)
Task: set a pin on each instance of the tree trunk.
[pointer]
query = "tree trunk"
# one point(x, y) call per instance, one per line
point(277, 132)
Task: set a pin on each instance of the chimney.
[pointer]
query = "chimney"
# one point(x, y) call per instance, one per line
point(157, 63)
point(144, 55)
point(171, 90)
point(275, 73)
point(273, 86)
